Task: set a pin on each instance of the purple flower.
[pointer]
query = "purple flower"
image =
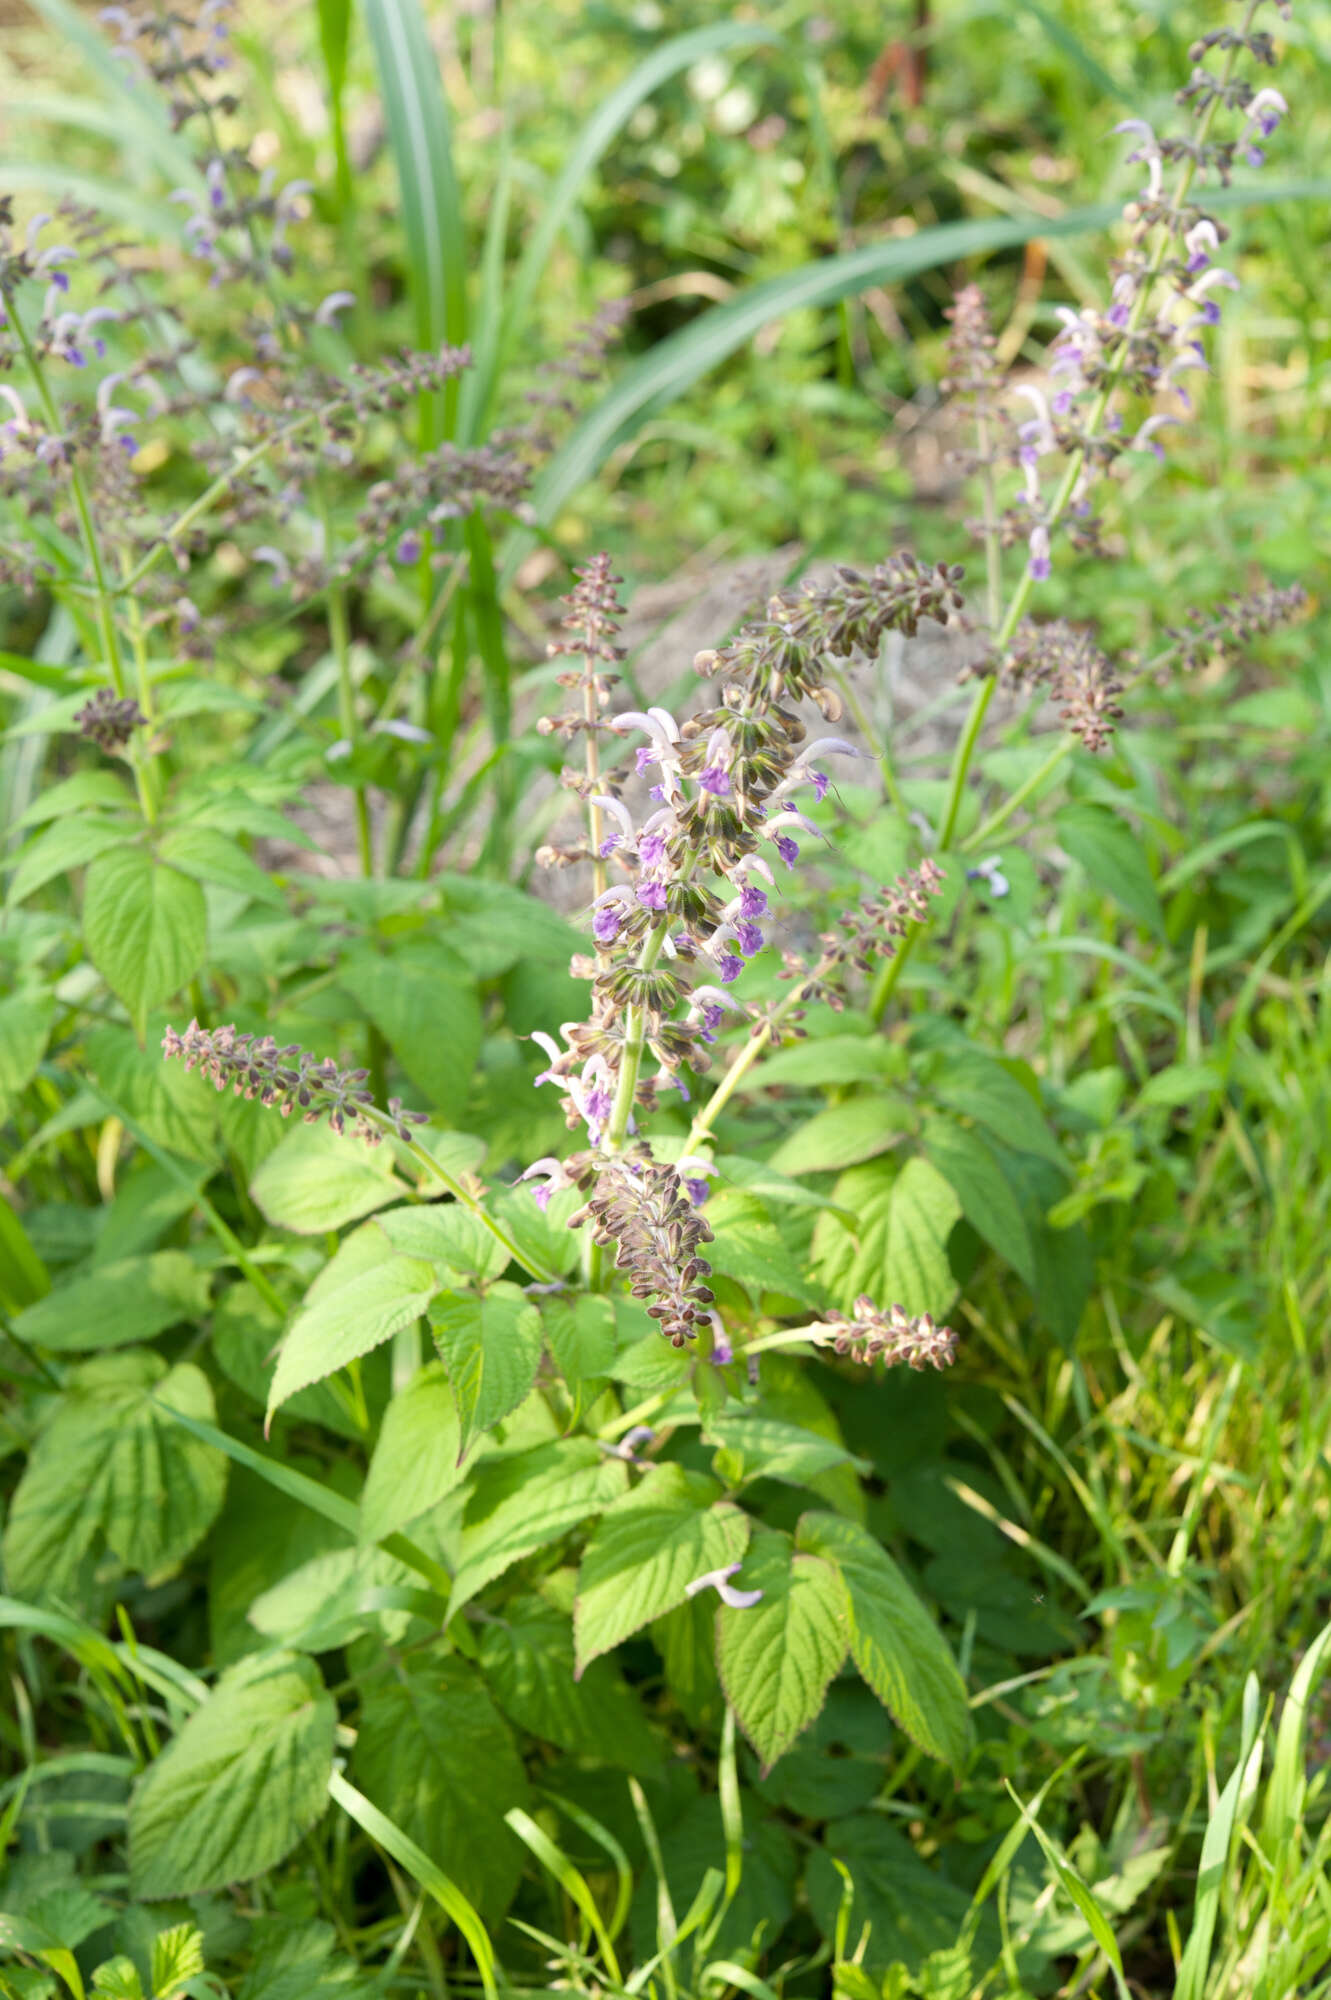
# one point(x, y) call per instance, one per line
point(722, 1351)
point(719, 1581)
point(1039, 566)
point(821, 781)
point(658, 793)
point(643, 757)
point(716, 780)
point(652, 850)
point(697, 1192)
point(731, 968)
point(541, 1195)
point(787, 849)
point(752, 902)
point(597, 1105)
point(608, 846)
point(605, 925)
point(408, 549)
point(652, 895)
point(1211, 312)
point(749, 938)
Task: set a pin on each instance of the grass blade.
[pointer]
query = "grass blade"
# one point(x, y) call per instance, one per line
point(1216, 1844)
point(420, 133)
point(334, 39)
point(569, 1879)
point(386, 1834)
point(596, 135)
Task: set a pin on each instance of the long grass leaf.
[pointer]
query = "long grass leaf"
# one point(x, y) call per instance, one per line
point(385, 1833)
point(334, 18)
point(596, 134)
point(1216, 1844)
point(421, 137)
point(569, 1878)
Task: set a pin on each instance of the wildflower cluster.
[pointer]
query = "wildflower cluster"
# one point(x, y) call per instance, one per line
point(289, 1079)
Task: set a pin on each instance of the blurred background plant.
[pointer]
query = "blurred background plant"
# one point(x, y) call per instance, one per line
point(1117, 1502)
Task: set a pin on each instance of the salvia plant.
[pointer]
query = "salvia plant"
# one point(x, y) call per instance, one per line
point(612, 1546)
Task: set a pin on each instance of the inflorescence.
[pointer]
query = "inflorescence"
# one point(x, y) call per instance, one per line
point(290, 1079)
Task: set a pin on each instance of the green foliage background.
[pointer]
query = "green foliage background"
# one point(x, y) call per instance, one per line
point(1003, 1723)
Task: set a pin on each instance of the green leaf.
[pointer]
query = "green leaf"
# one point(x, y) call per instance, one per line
point(777, 1658)
point(426, 1008)
point(546, 1493)
point(756, 1255)
point(210, 856)
point(145, 927)
point(110, 1466)
point(527, 1660)
point(973, 1171)
point(338, 1594)
point(244, 1779)
point(845, 1134)
point(1113, 857)
point(581, 1337)
point(318, 1179)
point(177, 1957)
point(648, 1549)
point(828, 1060)
point(451, 1236)
point(70, 843)
point(491, 1348)
point(417, 1460)
point(759, 1447)
point(980, 1088)
point(23, 1276)
point(359, 1300)
point(25, 1027)
point(170, 1106)
point(130, 1300)
point(898, 1250)
point(895, 1644)
point(86, 789)
point(432, 1746)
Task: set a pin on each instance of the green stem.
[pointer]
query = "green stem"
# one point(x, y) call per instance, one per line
point(431, 1167)
point(92, 550)
point(339, 632)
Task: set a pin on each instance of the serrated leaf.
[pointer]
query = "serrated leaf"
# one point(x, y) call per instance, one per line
point(649, 1547)
point(111, 1466)
point(130, 1300)
point(417, 1459)
point(434, 1752)
point(318, 1179)
point(1113, 857)
point(177, 1957)
point(980, 1088)
point(527, 1660)
point(170, 1106)
point(25, 1027)
point(581, 1337)
point(826, 1061)
point(427, 1010)
point(845, 1134)
point(491, 1347)
point(450, 1236)
point(756, 1255)
point(760, 1447)
point(546, 1493)
point(358, 1301)
point(898, 1250)
point(210, 856)
point(98, 790)
point(778, 1657)
point(69, 844)
point(972, 1169)
point(233, 1793)
point(145, 927)
point(893, 1641)
point(338, 1594)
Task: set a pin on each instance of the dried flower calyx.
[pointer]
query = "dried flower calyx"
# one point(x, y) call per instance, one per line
point(109, 720)
point(291, 1079)
point(893, 1336)
point(644, 1209)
